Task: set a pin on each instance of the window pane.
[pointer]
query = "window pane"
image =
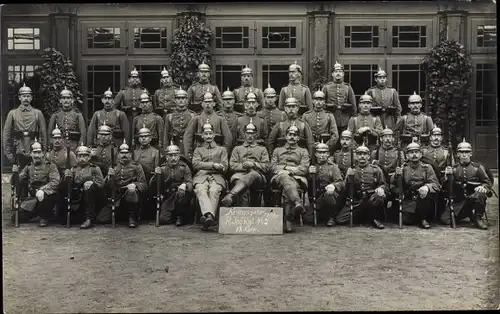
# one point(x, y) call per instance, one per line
point(487, 36)
point(408, 78)
point(103, 38)
point(17, 75)
point(279, 37)
point(409, 36)
point(23, 38)
point(99, 79)
point(228, 76)
point(232, 37)
point(276, 75)
point(150, 37)
point(486, 95)
point(360, 77)
point(361, 36)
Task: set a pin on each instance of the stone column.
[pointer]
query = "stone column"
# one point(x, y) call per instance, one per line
point(456, 26)
point(61, 34)
point(320, 21)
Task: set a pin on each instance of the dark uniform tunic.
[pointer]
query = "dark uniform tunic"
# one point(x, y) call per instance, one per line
point(388, 99)
point(197, 91)
point(232, 122)
point(154, 123)
point(271, 116)
point(59, 158)
point(368, 120)
point(175, 125)
point(342, 158)
point(241, 93)
point(89, 197)
point(195, 126)
point(416, 124)
point(102, 158)
point(341, 101)
point(328, 203)
point(127, 100)
point(322, 122)
point(438, 155)
point(147, 157)
point(164, 101)
point(387, 159)
point(298, 91)
point(71, 121)
point(260, 125)
point(277, 135)
point(115, 119)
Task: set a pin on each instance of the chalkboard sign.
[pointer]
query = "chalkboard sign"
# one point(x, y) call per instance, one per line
point(251, 220)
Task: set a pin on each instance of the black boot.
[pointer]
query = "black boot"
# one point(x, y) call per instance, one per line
point(87, 224)
point(331, 222)
point(377, 224)
point(132, 223)
point(478, 222)
point(178, 222)
point(288, 226)
point(43, 222)
point(424, 224)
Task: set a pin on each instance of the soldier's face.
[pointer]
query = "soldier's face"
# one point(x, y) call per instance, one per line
point(338, 75)
point(144, 140)
point(173, 159)
point(56, 142)
point(166, 81)
point(208, 106)
point(387, 140)
point(37, 156)
point(25, 99)
point(208, 136)
point(464, 157)
point(318, 103)
point(203, 76)
point(293, 75)
point(146, 106)
point(365, 107)
point(270, 101)
point(292, 138)
point(291, 111)
point(66, 102)
point(345, 142)
point(83, 159)
point(381, 80)
point(250, 136)
point(181, 102)
point(134, 81)
point(228, 104)
point(436, 140)
point(246, 79)
point(250, 107)
point(124, 156)
point(414, 155)
point(415, 107)
point(321, 157)
point(104, 139)
point(362, 158)
point(107, 102)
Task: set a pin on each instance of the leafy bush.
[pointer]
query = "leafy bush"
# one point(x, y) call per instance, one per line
point(318, 66)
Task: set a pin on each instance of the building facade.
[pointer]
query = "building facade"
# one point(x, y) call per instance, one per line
point(105, 41)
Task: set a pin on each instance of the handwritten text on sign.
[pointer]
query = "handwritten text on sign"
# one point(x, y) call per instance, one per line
point(251, 220)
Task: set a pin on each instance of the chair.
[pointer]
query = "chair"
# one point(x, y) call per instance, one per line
point(278, 198)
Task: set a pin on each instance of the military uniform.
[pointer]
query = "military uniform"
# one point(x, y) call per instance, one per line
point(175, 126)
point(260, 125)
point(164, 100)
point(60, 159)
point(341, 101)
point(322, 123)
point(154, 123)
point(102, 157)
point(298, 91)
point(387, 99)
point(114, 118)
point(241, 94)
point(232, 122)
point(342, 158)
point(271, 116)
point(277, 134)
point(387, 159)
point(437, 154)
point(147, 157)
point(71, 121)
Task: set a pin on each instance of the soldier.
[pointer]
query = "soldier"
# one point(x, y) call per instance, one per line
point(127, 99)
point(164, 97)
point(197, 91)
point(150, 120)
point(436, 152)
point(322, 123)
point(43, 180)
point(342, 157)
point(177, 121)
point(420, 186)
point(129, 184)
point(340, 98)
point(249, 162)
point(210, 162)
point(250, 116)
point(69, 119)
point(278, 133)
point(472, 188)
point(296, 90)
point(290, 164)
point(22, 126)
point(370, 190)
point(386, 156)
point(365, 126)
point(176, 187)
point(195, 126)
point(146, 155)
point(247, 87)
point(101, 155)
point(229, 114)
point(114, 118)
point(87, 184)
point(270, 113)
point(386, 100)
point(416, 123)
point(329, 184)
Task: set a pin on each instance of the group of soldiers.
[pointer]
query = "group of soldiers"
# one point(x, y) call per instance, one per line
point(316, 154)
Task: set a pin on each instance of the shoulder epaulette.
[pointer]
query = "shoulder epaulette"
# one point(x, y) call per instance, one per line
point(345, 83)
point(308, 111)
point(238, 114)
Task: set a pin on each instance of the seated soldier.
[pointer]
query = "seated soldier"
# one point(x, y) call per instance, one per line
point(370, 190)
point(365, 127)
point(342, 157)
point(249, 162)
point(420, 186)
point(128, 181)
point(471, 188)
point(43, 181)
point(329, 184)
point(290, 164)
point(176, 186)
point(415, 123)
point(87, 182)
point(210, 162)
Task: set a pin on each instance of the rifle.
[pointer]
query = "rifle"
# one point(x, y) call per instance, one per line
point(69, 181)
point(399, 184)
point(351, 190)
point(450, 179)
point(15, 194)
point(315, 218)
point(113, 221)
point(158, 193)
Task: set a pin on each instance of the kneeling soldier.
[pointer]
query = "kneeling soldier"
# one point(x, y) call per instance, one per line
point(475, 188)
point(249, 162)
point(87, 181)
point(210, 160)
point(129, 183)
point(330, 184)
point(342, 157)
point(290, 164)
point(421, 186)
point(43, 181)
point(176, 186)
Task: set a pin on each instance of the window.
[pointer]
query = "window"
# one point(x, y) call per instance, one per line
point(228, 76)
point(409, 36)
point(486, 95)
point(276, 75)
point(103, 38)
point(150, 37)
point(279, 37)
point(150, 76)
point(361, 36)
point(406, 79)
point(232, 37)
point(487, 36)
point(99, 78)
point(360, 77)
point(17, 75)
point(23, 39)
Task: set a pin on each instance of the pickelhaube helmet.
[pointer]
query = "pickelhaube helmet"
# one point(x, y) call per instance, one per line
point(269, 90)
point(208, 127)
point(246, 70)
point(362, 149)
point(251, 97)
point(204, 67)
point(294, 67)
point(108, 93)
point(144, 130)
point(436, 131)
point(66, 92)
point(164, 73)
point(414, 98)
point(105, 130)
point(380, 72)
point(56, 132)
point(172, 149)
point(365, 98)
point(322, 147)
point(228, 94)
point(208, 97)
point(124, 147)
point(292, 129)
point(412, 146)
point(464, 146)
point(36, 146)
point(338, 66)
point(144, 96)
point(82, 150)
point(291, 101)
point(134, 73)
point(387, 131)
point(250, 127)
point(346, 133)
point(318, 94)
point(180, 93)
point(25, 90)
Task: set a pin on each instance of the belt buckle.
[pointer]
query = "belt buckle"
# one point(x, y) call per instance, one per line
point(25, 133)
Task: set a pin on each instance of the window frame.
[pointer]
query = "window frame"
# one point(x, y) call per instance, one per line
point(341, 23)
point(259, 83)
point(13, 62)
point(44, 36)
point(429, 23)
point(157, 61)
point(85, 50)
point(355, 60)
point(168, 24)
point(239, 61)
point(300, 34)
point(213, 24)
point(474, 22)
point(473, 107)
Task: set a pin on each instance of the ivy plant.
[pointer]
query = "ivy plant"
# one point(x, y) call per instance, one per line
point(191, 45)
point(318, 66)
point(448, 71)
point(56, 73)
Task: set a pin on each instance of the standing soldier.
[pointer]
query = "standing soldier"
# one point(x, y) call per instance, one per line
point(416, 123)
point(365, 126)
point(195, 127)
point(270, 113)
point(101, 155)
point(290, 164)
point(249, 163)
point(278, 133)
point(69, 119)
point(296, 90)
point(176, 186)
point(342, 157)
point(150, 120)
point(22, 126)
point(210, 162)
point(129, 184)
point(329, 184)
point(197, 91)
point(246, 88)
point(323, 124)
point(164, 97)
point(386, 100)
point(127, 99)
point(146, 155)
point(87, 183)
point(114, 118)
point(43, 180)
point(229, 114)
point(420, 186)
point(250, 116)
point(177, 121)
point(472, 188)
point(436, 152)
point(340, 98)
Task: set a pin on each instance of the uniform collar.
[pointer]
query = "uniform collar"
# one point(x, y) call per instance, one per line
point(209, 145)
point(248, 144)
point(25, 108)
point(288, 146)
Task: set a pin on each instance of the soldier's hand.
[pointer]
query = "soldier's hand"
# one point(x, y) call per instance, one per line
point(157, 170)
point(423, 191)
point(68, 173)
point(330, 160)
point(181, 190)
point(283, 172)
point(10, 157)
point(247, 164)
point(399, 171)
point(363, 129)
point(380, 191)
point(218, 166)
point(111, 171)
point(93, 152)
point(39, 195)
point(330, 188)
point(15, 168)
point(350, 172)
point(131, 187)
point(87, 185)
point(481, 189)
point(312, 169)
point(448, 170)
